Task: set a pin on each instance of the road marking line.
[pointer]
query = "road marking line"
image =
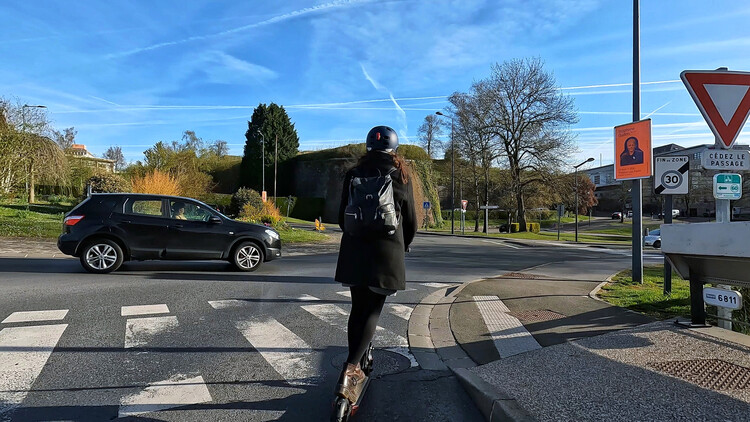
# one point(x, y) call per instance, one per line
point(307, 298)
point(228, 303)
point(345, 293)
point(140, 331)
point(401, 311)
point(287, 353)
point(179, 390)
point(437, 285)
point(23, 353)
point(508, 334)
point(144, 310)
point(500, 243)
point(384, 338)
point(29, 316)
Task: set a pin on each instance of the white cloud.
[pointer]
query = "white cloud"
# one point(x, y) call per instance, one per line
point(223, 68)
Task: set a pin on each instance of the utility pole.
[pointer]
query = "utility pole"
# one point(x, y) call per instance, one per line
point(262, 161)
point(453, 173)
point(636, 187)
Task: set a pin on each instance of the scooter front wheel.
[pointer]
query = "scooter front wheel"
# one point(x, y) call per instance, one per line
point(341, 410)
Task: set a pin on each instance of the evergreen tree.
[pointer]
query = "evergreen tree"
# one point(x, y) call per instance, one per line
point(267, 123)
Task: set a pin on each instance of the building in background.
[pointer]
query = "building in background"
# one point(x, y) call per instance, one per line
point(699, 202)
point(79, 152)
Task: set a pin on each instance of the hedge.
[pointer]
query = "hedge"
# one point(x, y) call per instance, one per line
point(530, 227)
point(308, 208)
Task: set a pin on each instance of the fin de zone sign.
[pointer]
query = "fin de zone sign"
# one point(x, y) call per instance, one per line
point(723, 98)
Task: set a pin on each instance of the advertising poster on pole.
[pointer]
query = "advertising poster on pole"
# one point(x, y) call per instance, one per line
point(633, 150)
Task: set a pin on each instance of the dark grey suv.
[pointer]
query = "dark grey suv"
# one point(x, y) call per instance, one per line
point(106, 229)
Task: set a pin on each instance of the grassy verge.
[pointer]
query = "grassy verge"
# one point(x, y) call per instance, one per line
point(649, 298)
point(297, 221)
point(291, 235)
point(548, 236)
point(15, 221)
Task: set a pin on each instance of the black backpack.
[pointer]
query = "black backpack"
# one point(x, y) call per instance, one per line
point(371, 209)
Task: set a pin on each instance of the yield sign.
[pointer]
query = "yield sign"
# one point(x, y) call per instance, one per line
point(723, 97)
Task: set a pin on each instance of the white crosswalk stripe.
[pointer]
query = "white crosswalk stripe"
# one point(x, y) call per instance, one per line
point(144, 310)
point(401, 311)
point(23, 353)
point(140, 331)
point(35, 316)
point(508, 333)
point(287, 353)
point(179, 390)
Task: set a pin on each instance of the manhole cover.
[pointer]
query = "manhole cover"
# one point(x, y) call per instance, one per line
point(713, 374)
point(537, 315)
point(385, 362)
point(521, 275)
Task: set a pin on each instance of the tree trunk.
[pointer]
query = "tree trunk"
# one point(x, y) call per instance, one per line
point(31, 183)
point(520, 209)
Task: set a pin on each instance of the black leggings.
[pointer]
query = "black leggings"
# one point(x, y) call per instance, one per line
point(363, 320)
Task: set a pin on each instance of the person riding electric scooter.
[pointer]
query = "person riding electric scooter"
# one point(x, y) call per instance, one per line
point(379, 222)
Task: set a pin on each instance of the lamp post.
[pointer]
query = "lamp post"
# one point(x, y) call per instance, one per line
point(262, 162)
point(453, 171)
point(30, 174)
point(576, 176)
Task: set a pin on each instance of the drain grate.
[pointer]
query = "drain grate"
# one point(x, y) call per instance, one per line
point(521, 275)
point(713, 374)
point(537, 315)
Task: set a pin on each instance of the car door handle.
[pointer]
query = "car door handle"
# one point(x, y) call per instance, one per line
point(126, 221)
point(179, 226)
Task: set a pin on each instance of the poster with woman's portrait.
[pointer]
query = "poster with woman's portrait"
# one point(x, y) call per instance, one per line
point(633, 150)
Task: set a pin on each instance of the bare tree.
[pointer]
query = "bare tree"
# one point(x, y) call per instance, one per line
point(529, 116)
point(219, 148)
point(115, 153)
point(428, 134)
point(66, 138)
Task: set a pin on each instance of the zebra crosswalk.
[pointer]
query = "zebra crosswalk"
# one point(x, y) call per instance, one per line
point(151, 358)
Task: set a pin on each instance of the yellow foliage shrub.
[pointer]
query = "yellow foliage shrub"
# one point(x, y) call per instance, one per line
point(156, 182)
point(267, 214)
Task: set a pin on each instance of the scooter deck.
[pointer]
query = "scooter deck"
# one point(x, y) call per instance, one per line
point(355, 406)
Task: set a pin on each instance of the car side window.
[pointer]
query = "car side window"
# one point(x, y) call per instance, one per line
point(150, 207)
point(181, 210)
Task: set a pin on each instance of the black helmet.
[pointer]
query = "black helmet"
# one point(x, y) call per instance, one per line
point(382, 138)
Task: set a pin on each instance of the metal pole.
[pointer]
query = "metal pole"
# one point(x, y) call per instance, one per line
point(697, 309)
point(636, 188)
point(275, 163)
point(262, 161)
point(576, 207)
point(667, 265)
point(723, 215)
point(558, 222)
point(453, 176)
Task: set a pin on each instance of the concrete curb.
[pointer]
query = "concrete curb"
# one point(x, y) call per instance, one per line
point(429, 331)
point(494, 404)
point(594, 294)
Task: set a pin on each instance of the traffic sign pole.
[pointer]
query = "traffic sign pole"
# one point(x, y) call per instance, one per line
point(667, 265)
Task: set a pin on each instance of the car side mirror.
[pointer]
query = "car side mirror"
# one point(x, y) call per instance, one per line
point(214, 220)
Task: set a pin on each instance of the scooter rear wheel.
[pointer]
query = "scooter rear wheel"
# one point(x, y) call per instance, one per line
point(341, 410)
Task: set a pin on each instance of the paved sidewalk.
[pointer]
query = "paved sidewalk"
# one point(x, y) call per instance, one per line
point(548, 350)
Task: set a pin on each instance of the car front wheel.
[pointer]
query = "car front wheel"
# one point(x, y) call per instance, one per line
point(101, 256)
point(657, 244)
point(247, 257)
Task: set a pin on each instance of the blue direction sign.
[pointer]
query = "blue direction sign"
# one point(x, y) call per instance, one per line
point(426, 205)
point(728, 186)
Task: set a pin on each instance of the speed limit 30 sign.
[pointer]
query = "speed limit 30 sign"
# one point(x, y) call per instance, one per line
point(671, 175)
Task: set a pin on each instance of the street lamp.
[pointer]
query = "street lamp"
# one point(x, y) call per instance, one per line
point(262, 161)
point(30, 175)
point(453, 170)
point(576, 176)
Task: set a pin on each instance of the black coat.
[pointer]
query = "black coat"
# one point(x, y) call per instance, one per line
point(378, 260)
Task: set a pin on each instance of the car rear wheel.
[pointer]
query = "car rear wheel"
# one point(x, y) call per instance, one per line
point(101, 256)
point(247, 256)
point(657, 244)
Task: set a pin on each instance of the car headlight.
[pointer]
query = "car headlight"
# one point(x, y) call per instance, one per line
point(273, 234)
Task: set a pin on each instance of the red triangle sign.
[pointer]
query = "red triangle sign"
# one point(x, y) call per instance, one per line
point(723, 97)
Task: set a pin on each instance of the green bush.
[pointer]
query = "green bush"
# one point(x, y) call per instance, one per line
point(282, 202)
point(220, 201)
point(242, 197)
point(308, 208)
point(59, 199)
point(108, 183)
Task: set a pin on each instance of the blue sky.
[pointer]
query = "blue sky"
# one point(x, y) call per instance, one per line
point(132, 73)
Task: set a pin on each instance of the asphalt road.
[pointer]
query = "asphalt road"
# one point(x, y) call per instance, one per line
point(222, 345)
